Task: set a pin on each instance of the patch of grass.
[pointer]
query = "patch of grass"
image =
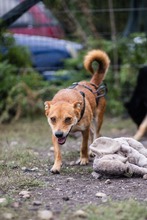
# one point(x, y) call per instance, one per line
point(22, 145)
point(130, 210)
point(26, 134)
point(116, 127)
point(29, 182)
point(22, 213)
point(71, 155)
point(18, 157)
point(11, 169)
point(16, 180)
point(7, 202)
point(124, 210)
point(76, 169)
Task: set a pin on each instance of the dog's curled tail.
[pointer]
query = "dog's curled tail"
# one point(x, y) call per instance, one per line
point(103, 64)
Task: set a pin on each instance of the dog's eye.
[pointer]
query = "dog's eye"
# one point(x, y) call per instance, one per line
point(67, 120)
point(53, 119)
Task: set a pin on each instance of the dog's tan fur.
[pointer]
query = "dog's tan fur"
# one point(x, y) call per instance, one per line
point(64, 111)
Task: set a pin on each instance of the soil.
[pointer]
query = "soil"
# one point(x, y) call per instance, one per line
point(75, 186)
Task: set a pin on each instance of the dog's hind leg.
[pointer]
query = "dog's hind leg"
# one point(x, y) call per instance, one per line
point(96, 131)
point(99, 117)
point(97, 122)
point(141, 130)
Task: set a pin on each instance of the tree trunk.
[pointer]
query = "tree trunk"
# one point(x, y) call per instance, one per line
point(84, 5)
point(113, 38)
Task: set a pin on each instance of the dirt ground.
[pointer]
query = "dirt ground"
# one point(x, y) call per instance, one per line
point(74, 187)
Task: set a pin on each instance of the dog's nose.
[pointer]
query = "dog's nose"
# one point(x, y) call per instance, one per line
point(59, 134)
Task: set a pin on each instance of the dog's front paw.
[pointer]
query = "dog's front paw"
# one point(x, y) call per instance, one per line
point(55, 170)
point(82, 161)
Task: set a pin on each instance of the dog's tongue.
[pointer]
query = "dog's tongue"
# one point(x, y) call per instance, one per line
point(61, 140)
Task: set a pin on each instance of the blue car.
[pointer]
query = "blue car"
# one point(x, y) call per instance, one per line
point(48, 54)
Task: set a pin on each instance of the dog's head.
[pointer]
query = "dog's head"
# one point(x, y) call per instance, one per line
point(62, 116)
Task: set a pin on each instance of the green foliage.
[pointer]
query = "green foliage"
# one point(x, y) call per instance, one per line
point(91, 17)
point(23, 95)
point(133, 49)
point(131, 54)
point(22, 90)
point(16, 55)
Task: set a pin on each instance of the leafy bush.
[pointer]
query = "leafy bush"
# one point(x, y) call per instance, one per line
point(22, 90)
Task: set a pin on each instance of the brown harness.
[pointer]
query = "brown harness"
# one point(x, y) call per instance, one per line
point(101, 91)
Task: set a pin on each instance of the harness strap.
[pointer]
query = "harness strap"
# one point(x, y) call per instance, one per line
point(83, 109)
point(73, 85)
point(76, 84)
point(83, 95)
point(101, 90)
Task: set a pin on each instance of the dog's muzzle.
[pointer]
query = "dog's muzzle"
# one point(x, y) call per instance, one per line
point(60, 136)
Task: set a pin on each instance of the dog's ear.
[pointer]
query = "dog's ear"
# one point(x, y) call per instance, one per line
point(47, 105)
point(77, 105)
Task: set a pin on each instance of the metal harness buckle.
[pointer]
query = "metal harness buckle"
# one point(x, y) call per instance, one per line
point(101, 91)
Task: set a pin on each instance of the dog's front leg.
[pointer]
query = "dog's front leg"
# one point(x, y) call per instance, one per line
point(84, 147)
point(58, 161)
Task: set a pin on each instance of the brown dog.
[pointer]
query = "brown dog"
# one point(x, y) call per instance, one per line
point(79, 108)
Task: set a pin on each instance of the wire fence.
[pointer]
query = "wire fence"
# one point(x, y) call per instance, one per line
point(34, 28)
point(39, 36)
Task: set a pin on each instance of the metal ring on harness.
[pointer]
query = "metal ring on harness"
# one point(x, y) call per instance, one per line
point(101, 91)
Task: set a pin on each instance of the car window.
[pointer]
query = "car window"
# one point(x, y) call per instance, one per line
point(7, 5)
point(25, 19)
